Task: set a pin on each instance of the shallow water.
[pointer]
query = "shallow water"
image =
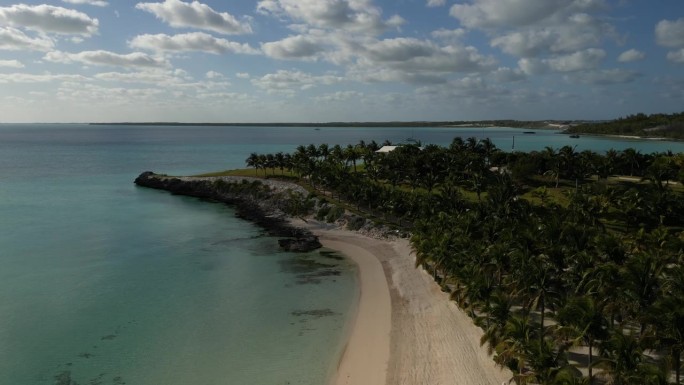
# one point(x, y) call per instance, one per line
point(102, 282)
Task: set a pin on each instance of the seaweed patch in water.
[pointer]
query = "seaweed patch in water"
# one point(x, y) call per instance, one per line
point(302, 264)
point(97, 380)
point(315, 277)
point(308, 270)
point(86, 355)
point(316, 313)
point(63, 378)
point(331, 255)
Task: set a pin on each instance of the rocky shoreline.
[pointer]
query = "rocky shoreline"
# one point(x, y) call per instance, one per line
point(255, 200)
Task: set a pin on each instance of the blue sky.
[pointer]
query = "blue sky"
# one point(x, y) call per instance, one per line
point(339, 60)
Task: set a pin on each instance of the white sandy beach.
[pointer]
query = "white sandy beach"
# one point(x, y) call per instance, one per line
point(406, 330)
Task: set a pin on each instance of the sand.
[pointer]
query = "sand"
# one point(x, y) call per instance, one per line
point(406, 330)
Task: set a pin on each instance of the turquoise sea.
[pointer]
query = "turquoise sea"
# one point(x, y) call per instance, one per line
point(102, 282)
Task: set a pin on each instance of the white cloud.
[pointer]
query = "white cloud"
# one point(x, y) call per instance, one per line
point(631, 55)
point(575, 32)
point(91, 94)
point(179, 14)
point(12, 39)
point(582, 60)
point(358, 16)
point(436, 3)
point(48, 19)
point(676, 56)
point(371, 74)
point(293, 47)
point(97, 3)
point(506, 13)
point(290, 81)
point(242, 75)
point(528, 43)
point(214, 75)
point(106, 58)
point(670, 33)
point(508, 75)
point(188, 42)
point(340, 96)
point(588, 59)
point(154, 76)
point(39, 78)
point(413, 55)
point(11, 64)
point(604, 77)
point(532, 66)
point(448, 34)
point(400, 49)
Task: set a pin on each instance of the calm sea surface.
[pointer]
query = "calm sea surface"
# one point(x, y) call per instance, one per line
point(105, 283)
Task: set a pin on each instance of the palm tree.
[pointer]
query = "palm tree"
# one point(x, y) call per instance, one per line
point(622, 356)
point(553, 163)
point(513, 350)
point(642, 274)
point(631, 158)
point(494, 319)
point(583, 320)
point(270, 163)
point(351, 154)
point(323, 151)
point(253, 161)
point(279, 161)
point(668, 318)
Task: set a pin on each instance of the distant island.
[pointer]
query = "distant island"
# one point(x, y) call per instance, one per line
point(639, 125)
point(670, 126)
point(551, 124)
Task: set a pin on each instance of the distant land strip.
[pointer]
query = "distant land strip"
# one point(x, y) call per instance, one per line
point(482, 123)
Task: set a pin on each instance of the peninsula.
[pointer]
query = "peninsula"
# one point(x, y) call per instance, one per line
point(405, 329)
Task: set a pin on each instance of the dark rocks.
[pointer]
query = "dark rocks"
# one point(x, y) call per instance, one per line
point(263, 212)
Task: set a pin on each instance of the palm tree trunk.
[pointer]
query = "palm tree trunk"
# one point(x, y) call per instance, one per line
point(591, 358)
point(678, 365)
point(541, 327)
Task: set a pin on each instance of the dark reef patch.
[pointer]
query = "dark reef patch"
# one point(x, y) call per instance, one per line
point(259, 207)
point(308, 270)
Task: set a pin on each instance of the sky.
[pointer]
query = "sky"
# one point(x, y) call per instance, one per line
point(339, 60)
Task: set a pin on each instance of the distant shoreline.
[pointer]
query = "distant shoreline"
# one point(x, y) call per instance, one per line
point(455, 124)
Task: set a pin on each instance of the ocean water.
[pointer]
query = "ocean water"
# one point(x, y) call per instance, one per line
point(102, 282)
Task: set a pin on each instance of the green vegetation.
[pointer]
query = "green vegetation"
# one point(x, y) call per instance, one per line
point(549, 251)
point(656, 125)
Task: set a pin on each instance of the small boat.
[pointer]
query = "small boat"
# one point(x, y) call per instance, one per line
point(575, 136)
point(529, 132)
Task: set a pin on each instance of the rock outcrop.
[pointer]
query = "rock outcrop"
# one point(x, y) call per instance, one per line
point(258, 203)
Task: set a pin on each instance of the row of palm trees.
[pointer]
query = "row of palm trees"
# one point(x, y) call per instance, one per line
point(543, 281)
point(591, 291)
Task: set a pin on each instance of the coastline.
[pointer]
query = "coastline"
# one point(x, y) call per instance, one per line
point(425, 338)
point(405, 330)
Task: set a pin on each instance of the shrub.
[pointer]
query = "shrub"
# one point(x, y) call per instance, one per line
point(356, 223)
point(322, 212)
point(334, 214)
